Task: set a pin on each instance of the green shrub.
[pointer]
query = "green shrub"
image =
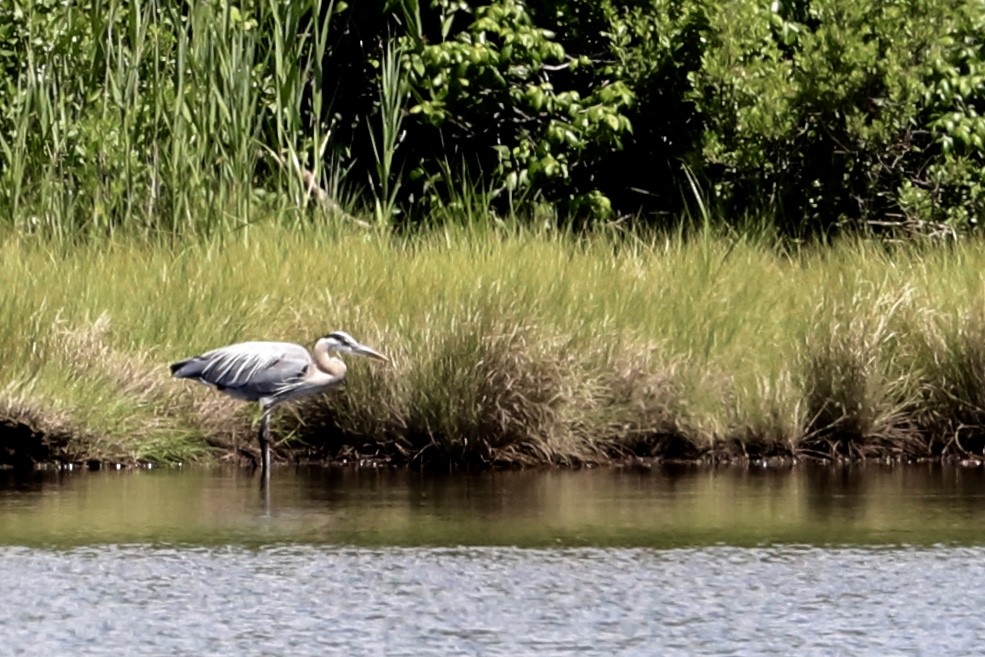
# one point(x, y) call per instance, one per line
point(951, 188)
point(499, 93)
point(810, 106)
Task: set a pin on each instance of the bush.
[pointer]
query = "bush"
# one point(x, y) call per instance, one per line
point(506, 97)
point(950, 185)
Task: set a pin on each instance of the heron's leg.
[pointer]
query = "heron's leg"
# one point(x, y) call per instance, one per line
point(265, 442)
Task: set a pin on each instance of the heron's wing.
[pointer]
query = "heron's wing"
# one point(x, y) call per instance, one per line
point(250, 370)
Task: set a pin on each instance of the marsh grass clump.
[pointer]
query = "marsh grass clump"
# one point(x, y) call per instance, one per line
point(860, 392)
point(121, 406)
point(478, 395)
point(768, 421)
point(498, 393)
point(640, 408)
point(954, 393)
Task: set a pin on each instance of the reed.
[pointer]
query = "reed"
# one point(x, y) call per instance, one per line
point(161, 118)
point(508, 345)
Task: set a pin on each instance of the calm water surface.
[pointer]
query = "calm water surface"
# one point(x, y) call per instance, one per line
point(813, 561)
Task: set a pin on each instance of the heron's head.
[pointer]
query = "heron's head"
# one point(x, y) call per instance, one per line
point(342, 342)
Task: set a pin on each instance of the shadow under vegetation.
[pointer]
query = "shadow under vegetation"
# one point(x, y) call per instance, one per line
point(23, 445)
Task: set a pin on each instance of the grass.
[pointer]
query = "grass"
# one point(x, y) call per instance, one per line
point(152, 163)
point(162, 117)
point(508, 346)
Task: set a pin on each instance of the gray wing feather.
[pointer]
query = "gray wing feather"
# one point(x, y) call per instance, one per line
point(250, 370)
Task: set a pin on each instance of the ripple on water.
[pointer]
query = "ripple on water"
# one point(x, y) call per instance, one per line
point(491, 601)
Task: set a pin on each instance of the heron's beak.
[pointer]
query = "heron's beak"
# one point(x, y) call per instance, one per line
point(363, 350)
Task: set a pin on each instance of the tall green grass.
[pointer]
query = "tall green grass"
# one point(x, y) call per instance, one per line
point(507, 346)
point(162, 117)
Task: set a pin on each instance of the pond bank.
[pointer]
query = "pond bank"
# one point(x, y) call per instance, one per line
point(23, 446)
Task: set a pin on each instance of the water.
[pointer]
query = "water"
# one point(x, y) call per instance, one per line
point(814, 561)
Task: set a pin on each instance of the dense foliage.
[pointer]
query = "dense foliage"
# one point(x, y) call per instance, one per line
point(178, 114)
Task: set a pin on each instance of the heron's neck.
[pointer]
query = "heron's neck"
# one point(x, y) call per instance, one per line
point(327, 362)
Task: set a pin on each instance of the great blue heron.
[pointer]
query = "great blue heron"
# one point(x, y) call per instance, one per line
point(273, 372)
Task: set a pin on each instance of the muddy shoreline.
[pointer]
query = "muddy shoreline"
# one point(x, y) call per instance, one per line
point(24, 447)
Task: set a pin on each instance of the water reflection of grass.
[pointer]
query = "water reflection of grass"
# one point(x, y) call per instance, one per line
point(506, 346)
point(868, 505)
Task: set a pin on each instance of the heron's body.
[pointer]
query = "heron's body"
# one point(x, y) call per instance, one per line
point(265, 372)
point(272, 373)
